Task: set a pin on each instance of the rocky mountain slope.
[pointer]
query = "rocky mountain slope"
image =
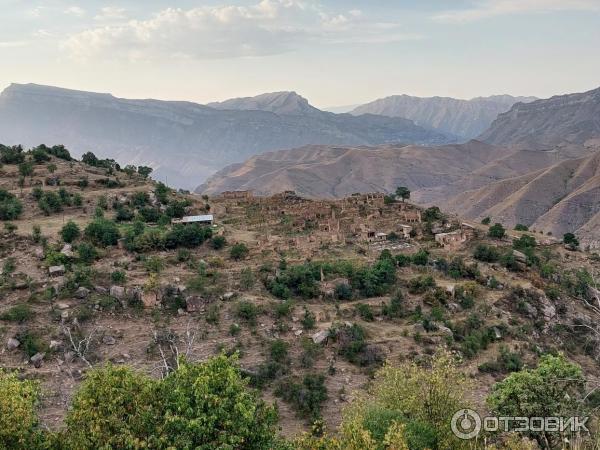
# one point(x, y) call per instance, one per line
point(185, 142)
point(538, 167)
point(463, 118)
point(563, 120)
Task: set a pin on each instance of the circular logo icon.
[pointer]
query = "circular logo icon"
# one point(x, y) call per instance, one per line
point(466, 424)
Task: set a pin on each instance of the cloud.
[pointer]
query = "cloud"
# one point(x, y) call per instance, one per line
point(491, 8)
point(75, 11)
point(111, 13)
point(12, 44)
point(228, 31)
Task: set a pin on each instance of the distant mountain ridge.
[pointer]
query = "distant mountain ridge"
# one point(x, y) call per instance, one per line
point(539, 166)
point(186, 142)
point(463, 118)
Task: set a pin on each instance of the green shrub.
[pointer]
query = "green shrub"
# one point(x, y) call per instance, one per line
point(365, 312)
point(497, 231)
point(18, 313)
point(343, 291)
point(103, 232)
point(247, 311)
point(486, 253)
point(70, 232)
point(218, 242)
point(308, 320)
point(421, 284)
point(306, 395)
point(521, 227)
point(87, 253)
point(239, 251)
point(10, 207)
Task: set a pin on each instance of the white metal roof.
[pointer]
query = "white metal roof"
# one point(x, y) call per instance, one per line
point(204, 218)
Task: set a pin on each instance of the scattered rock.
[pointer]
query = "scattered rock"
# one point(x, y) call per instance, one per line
point(419, 328)
point(39, 253)
point(297, 332)
point(67, 250)
point(56, 271)
point(100, 290)
point(12, 343)
point(520, 256)
point(109, 340)
point(194, 303)
point(37, 359)
point(117, 292)
point(62, 306)
point(445, 331)
point(55, 345)
point(320, 337)
point(82, 293)
point(228, 295)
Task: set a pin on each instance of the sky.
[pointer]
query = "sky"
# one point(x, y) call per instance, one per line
point(332, 52)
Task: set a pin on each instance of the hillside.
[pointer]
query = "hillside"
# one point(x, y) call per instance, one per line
point(313, 295)
point(563, 120)
point(186, 142)
point(465, 119)
point(333, 172)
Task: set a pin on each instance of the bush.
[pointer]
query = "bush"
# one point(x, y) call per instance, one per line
point(118, 277)
point(278, 350)
point(10, 207)
point(18, 419)
point(50, 202)
point(521, 227)
point(486, 221)
point(343, 291)
point(365, 312)
point(421, 284)
point(486, 253)
point(218, 242)
point(308, 320)
point(103, 232)
point(497, 231)
point(247, 311)
point(87, 253)
point(189, 236)
point(306, 396)
point(18, 313)
point(239, 251)
point(421, 258)
point(70, 232)
point(395, 308)
point(11, 155)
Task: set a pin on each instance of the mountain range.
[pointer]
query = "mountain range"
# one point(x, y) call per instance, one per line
point(537, 164)
point(186, 142)
point(465, 119)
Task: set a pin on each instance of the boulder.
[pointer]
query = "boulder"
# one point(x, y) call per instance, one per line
point(228, 295)
point(194, 303)
point(82, 293)
point(56, 271)
point(117, 292)
point(37, 359)
point(149, 299)
point(12, 343)
point(320, 337)
point(39, 253)
point(67, 250)
point(62, 306)
point(55, 345)
point(445, 331)
point(109, 340)
point(100, 290)
point(520, 256)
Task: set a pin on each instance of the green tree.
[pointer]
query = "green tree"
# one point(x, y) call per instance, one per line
point(521, 227)
point(10, 207)
point(210, 406)
point(18, 418)
point(571, 240)
point(102, 232)
point(144, 171)
point(239, 251)
point(432, 214)
point(70, 232)
point(486, 221)
point(218, 242)
point(497, 231)
point(403, 192)
point(115, 407)
point(553, 389)
point(26, 169)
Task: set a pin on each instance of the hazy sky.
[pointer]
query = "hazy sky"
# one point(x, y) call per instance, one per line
point(333, 52)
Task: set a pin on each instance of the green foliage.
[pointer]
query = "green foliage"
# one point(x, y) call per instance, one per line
point(306, 395)
point(497, 231)
point(308, 320)
point(10, 207)
point(11, 155)
point(247, 311)
point(486, 253)
point(432, 214)
point(59, 151)
point(247, 278)
point(403, 192)
point(50, 202)
point(525, 242)
point(70, 232)
point(395, 308)
point(118, 277)
point(421, 284)
point(421, 258)
point(218, 242)
point(26, 169)
point(102, 232)
point(571, 240)
point(486, 221)
point(19, 399)
point(189, 236)
point(19, 313)
point(365, 312)
point(87, 253)
point(521, 227)
point(31, 342)
point(506, 362)
point(144, 171)
point(343, 291)
point(239, 251)
point(553, 389)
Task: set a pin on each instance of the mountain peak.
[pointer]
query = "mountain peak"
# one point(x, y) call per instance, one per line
point(284, 102)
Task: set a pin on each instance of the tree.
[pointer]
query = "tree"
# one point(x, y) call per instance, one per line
point(239, 251)
point(130, 170)
point(70, 232)
point(218, 242)
point(87, 252)
point(10, 207)
point(553, 389)
point(497, 231)
point(18, 418)
point(521, 227)
point(209, 405)
point(432, 214)
point(103, 232)
point(115, 407)
point(90, 159)
point(51, 168)
point(403, 192)
point(144, 171)
point(26, 169)
point(571, 240)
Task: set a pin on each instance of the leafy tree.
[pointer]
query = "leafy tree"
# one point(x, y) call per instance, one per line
point(486, 221)
point(26, 169)
point(130, 170)
point(89, 158)
point(553, 389)
point(343, 291)
point(571, 240)
point(40, 155)
point(18, 418)
point(52, 168)
point(11, 155)
point(218, 242)
point(521, 227)
point(144, 171)
point(10, 207)
point(87, 252)
point(497, 231)
point(403, 192)
point(486, 253)
point(210, 406)
point(70, 232)
point(239, 251)
point(102, 232)
point(432, 214)
point(115, 407)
